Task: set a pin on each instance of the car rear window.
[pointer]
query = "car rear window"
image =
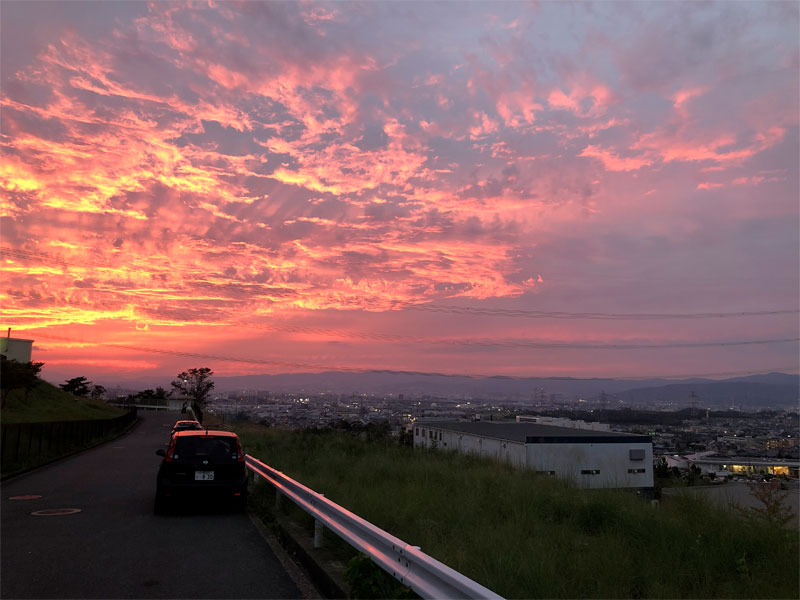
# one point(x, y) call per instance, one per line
point(217, 449)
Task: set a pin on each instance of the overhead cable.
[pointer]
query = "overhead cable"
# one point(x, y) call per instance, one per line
point(323, 367)
point(541, 314)
point(518, 343)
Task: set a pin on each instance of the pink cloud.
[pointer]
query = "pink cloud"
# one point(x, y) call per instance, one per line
point(613, 162)
point(583, 100)
point(709, 185)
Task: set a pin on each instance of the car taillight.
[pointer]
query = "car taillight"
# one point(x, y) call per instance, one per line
point(169, 456)
point(239, 451)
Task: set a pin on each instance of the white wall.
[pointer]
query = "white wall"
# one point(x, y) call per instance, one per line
point(612, 460)
point(16, 349)
point(489, 447)
point(564, 460)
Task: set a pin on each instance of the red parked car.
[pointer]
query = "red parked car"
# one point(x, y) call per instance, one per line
point(199, 465)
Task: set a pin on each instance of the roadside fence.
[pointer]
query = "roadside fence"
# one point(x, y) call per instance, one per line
point(25, 445)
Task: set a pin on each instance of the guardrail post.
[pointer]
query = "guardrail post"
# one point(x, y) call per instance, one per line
point(318, 530)
point(317, 533)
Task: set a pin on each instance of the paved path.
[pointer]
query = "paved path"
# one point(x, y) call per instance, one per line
point(115, 547)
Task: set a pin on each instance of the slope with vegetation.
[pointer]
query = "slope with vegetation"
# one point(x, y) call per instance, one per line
point(41, 423)
point(525, 535)
point(45, 402)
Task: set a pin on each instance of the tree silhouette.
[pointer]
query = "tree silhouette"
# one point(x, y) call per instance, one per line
point(17, 375)
point(77, 386)
point(197, 385)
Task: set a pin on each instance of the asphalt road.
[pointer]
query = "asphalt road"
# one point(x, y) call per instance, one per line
point(115, 547)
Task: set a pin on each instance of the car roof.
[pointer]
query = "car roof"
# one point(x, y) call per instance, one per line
point(187, 421)
point(209, 432)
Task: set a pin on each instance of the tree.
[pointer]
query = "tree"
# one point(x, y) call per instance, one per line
point(197, 385)
point(661, 468)
point(773, 508)
point(97, 392)
point(160, 394)
point(17, 375)
point(77, 386)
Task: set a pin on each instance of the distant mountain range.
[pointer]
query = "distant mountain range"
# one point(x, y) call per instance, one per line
point(771, 389)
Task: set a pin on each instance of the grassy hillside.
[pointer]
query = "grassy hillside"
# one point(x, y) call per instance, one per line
point(46, 402)
point(530, 536)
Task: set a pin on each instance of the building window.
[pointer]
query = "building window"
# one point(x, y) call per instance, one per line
point(590, 471)
point(637, 453)
point(430, 434)
point(440, 436)
point(637, 470)
point(416, 430)
point(546, 472)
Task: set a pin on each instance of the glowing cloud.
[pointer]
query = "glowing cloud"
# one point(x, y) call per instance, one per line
point(168, 168)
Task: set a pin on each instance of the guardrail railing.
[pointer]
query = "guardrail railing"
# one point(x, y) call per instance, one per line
point(408, 564)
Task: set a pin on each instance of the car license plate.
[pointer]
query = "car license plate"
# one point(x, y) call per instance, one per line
point(204, 475)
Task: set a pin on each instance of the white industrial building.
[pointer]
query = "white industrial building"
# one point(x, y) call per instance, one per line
point(589, 458)
point(16, 348)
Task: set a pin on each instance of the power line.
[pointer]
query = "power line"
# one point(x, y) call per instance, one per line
point(540, 314)
point(520, 343)
point(489, 343)
point(322, 367)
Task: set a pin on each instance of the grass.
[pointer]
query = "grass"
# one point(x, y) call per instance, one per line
point(46, 403)
point(525, 535)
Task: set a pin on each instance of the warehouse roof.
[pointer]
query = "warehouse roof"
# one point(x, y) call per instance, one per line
point(535, 433)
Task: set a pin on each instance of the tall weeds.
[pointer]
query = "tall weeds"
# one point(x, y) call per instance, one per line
point(525, 535)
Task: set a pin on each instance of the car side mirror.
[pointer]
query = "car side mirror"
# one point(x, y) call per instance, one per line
point(161, 452)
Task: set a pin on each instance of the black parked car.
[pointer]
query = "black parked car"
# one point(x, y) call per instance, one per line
point(201, 465)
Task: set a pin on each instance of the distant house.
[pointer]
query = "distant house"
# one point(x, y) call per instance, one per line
point(16, 348)
point(175, 403)
point(589, 458)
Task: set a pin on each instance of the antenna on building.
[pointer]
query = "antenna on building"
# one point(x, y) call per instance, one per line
point(9, 333)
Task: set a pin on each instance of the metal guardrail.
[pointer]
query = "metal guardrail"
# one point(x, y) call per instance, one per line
point(408, 564)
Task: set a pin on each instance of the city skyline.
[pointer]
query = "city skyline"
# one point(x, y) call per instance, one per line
point(554, 189)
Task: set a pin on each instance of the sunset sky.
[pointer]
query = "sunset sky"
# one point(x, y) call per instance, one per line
point(494, 188)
